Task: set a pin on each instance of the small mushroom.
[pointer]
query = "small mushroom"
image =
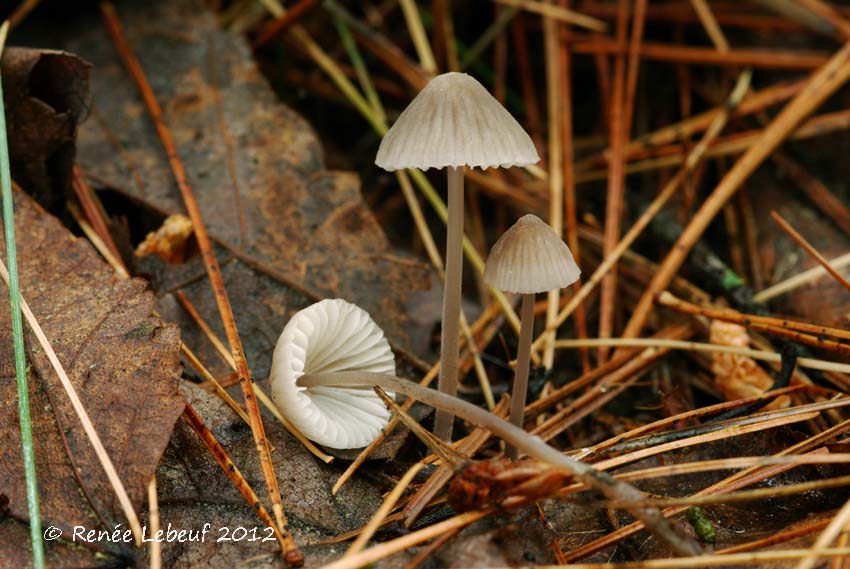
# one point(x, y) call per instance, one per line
point(454, 122)
point(529, 258)
point(331, 336)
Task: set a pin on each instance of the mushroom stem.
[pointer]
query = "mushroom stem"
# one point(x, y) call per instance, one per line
point(534, 446)
point(451, 300)
point(520, 389)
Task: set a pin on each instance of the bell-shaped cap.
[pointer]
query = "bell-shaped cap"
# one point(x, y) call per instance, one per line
point(454, 121)
point(529, 258)
point(331, 335)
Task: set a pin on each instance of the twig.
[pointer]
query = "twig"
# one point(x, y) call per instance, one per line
point(25, 421)
point(153, 519)
point(570, 207)
point(291, 553)
point(386, 507)
point(230, 469)
point(823, 83)
point(808, 248)
point(801, 279)
point(810, 363)
point(646, 217)
point(818, 194)
point(417, 34)
point(280, 23)
point(557, 13)
point(762, 58)
point(815, 334)
point(555, 110)
point(709, 23)
point(836, 526)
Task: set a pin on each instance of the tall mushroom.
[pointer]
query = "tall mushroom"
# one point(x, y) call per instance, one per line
point(331, 336)
point(529, 258)
point(454, 122)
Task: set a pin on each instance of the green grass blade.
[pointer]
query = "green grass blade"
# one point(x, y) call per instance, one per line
point(18, 335)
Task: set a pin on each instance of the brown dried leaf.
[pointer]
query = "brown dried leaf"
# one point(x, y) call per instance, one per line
point(255, 166)
point(46, 94)
point(738, 377)
point(123, 362)
point(170, 242)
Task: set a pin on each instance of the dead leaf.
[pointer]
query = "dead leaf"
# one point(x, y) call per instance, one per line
point(123, 362)
point(46, 94)
point(170, 242)
point(738, 377)
point(194, 491)
point(256, 168)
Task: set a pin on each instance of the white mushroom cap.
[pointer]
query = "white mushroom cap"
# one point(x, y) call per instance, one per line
point(530, 257)
point(331, 335)
point(454, 121)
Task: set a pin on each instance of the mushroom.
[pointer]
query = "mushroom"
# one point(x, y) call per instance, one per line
point(529, 258)
point(331, 336)
point(454, 122)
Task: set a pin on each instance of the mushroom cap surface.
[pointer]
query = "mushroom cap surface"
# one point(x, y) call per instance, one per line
point(529, 258)
point(455, 121)
point(331, 335)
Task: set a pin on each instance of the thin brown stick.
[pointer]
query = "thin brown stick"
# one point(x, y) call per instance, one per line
point(292, 15)
point(835, 527)
point(467, 447)
point(231, 470)
point(291, 553)
point(92, 209)
point(386, 507)
point(618, 132)
point(555, 109)
point(558, 13)
point(819, 195)
point(155, 549)
point(823, 83)
point(709, 23)
point(692, 160)
point(734, 482)
point(808, 248)
point(766, 323)
point(762, 58)
point(570, 207)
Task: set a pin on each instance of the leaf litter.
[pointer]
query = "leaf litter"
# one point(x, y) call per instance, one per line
point(267, 169)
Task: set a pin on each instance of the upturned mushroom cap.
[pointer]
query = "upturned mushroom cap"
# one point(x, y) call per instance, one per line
point(454, 121)
point(529, 258)
point(331, 335)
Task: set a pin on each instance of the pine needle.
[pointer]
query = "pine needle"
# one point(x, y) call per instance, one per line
point(18, 335)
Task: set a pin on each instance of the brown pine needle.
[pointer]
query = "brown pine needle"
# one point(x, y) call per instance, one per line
point(824, 82)
point(808, 248)
point(82, 414)
point(693, 159)
point(811, 334)
point(810, 363)
point(153, 520)
point(230, 469)
point(291, 553)
point(557, 13)
point(801, 279)
point(386, 507)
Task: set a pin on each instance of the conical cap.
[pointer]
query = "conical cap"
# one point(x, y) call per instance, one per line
point(454, 121)
point(529, 258)
point(331, 335)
